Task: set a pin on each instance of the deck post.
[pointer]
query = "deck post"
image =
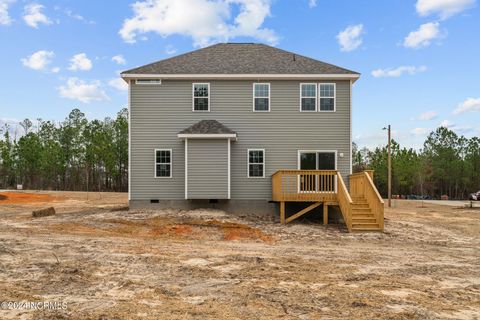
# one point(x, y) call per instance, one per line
point(282, 212)
point(325, 213)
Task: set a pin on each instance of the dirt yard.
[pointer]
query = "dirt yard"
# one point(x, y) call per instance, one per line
point(102, 261)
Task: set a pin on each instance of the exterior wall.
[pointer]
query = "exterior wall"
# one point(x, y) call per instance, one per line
point(251, 207)
point(159, 112)
point(207, 168)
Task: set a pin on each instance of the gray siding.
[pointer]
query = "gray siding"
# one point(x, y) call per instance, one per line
point(158, 113)
point(207, 169)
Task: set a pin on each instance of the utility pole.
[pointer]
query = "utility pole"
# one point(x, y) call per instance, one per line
point(389, 164)
point(389, 167)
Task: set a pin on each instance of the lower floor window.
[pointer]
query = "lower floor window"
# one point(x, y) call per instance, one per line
point(256, 163)
point(163, 163)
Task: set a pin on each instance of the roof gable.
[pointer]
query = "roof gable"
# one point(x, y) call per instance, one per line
point(207, 127)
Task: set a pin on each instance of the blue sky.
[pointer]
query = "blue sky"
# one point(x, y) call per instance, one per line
point(419, 59)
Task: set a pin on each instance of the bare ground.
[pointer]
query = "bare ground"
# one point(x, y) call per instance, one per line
point(107, 262)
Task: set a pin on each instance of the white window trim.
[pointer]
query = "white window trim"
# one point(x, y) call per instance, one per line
point(248, 163)
point(155, 164)
point(193, 96)
point(316, 96)
point(269, 94)
point(317, 151)
point(334, 97)
point(299, 152)
point(141, 83)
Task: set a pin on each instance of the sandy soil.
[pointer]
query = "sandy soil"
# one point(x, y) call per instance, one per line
point(106, 262)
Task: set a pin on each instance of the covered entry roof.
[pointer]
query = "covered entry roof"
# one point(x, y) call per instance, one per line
point(207, 129)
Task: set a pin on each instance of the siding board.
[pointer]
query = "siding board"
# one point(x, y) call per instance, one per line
point(158, 113)
point(207, 168)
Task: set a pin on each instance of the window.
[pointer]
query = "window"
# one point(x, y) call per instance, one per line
point(317, 160)
point(148, 81)
point(327, 97)
point(201, 97)
point(256, 163)
point(261, 97)
point(163, 163)
point(308, 97)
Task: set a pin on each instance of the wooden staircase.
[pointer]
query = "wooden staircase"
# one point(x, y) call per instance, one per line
point(362, 207)
point(363, 219)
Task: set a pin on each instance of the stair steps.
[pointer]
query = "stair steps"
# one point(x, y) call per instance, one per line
point(363, 219)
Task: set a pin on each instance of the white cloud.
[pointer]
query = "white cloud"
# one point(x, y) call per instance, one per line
point(446, 124)
point(429, 115)
point(397, 72)
point(12, 125)
point(78, 17)
point(423, 36)
point(350, 38)
point(469, 105)
point(461, 129)
point(55, 70)
point(83, 91)
point(33, 15)
point(205, 21)
point(119, 59)
point(4, 16)
point(312, 3)
point(420, 131)
point(169, 49)
point(118, 84)
point(80, 62)
point(444, 8)
point(38, 60)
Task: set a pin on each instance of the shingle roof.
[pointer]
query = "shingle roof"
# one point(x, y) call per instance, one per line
point(239, 58)
point(207, 127)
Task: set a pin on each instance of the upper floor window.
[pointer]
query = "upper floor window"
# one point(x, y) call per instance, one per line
point(308, 97)
point(327, 97)
point(163, 163)
point(201, 97)
point(256, 163)
point(261, 97)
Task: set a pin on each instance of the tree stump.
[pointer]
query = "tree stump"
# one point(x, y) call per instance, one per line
point(43, 212)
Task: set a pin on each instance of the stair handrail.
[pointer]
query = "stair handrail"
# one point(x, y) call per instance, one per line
point(374, 199)
point(345, 202)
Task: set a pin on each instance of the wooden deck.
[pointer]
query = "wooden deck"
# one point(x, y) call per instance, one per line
point(362, 207)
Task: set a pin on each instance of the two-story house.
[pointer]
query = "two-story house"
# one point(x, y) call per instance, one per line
point(243, 126)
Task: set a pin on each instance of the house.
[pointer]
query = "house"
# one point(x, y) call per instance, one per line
point(244, 126)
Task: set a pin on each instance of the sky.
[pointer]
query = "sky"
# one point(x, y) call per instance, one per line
point(419, 59)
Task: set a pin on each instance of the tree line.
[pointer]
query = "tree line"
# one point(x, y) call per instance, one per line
point(448, 164)
point(75, 154)
point(79, 155)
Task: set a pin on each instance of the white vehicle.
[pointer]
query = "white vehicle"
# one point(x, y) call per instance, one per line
point(474, 196)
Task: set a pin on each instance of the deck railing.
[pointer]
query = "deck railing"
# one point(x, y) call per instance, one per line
point(304, 185)
point(362, 186)
point(345, 202)
point(324, 186)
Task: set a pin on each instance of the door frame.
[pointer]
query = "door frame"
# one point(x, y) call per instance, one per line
point(299, 152)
